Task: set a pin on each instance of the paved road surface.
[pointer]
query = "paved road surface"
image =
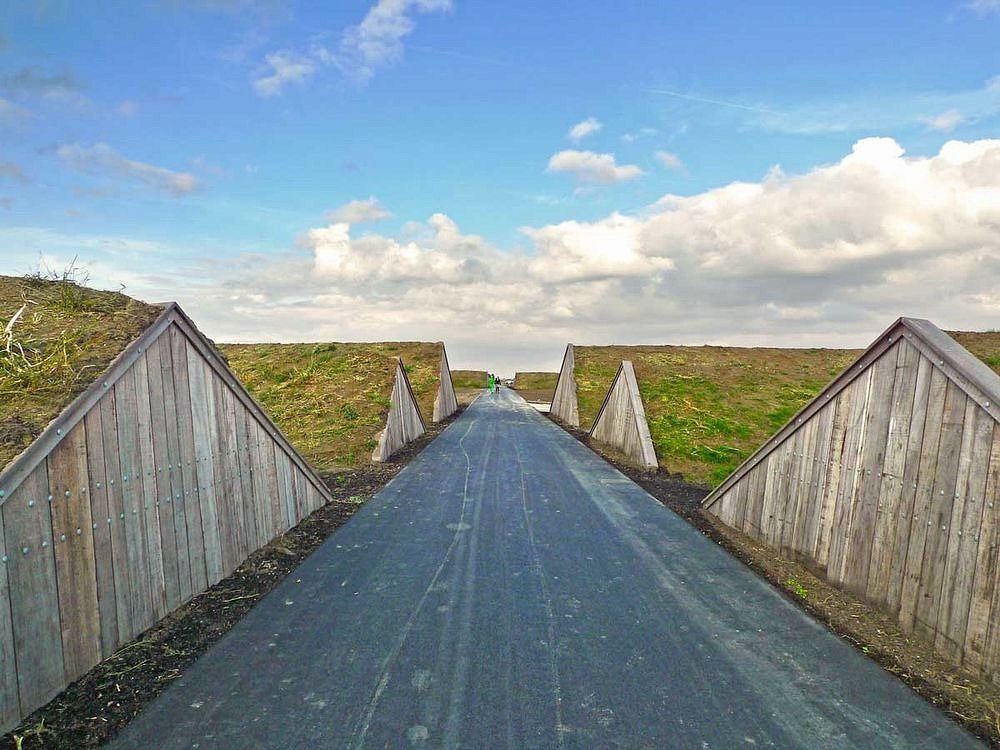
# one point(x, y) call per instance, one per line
point(509, 589)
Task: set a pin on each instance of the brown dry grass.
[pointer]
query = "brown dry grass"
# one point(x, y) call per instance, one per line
point(66, 336)
point(331, 399)
point(469, 379)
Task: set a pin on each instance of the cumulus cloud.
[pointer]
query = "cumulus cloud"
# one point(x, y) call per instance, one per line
point(944, 122)
point(282, 69)
point(824, 258)
point(584, 128)
point(828, 257)
point(103, 161)
point(588, 166)
point(376, 42)
point(669, 160)
point(359, 212)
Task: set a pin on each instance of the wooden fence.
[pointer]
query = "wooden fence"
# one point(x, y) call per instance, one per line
point(154, 484)
point(565, 405)
point(889, 483)
point(621, 421)
point(403, 424)
point(445, 401)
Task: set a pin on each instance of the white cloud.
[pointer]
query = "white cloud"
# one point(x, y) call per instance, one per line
point(359, 212)
point(103, 161)
point(588, 166)
point(825, 258)
point(984, 7)
point(376, 42)
point(669, 160)
point(283, 68)
point(944, 122)
point(584, 128)
point(639, 134)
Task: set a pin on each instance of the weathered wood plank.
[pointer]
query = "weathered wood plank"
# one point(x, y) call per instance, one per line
point(262, 507)
point(239, 507)
point(114, 519)
point(133, 512)
point(189, 472)
point(742, 494)
point(893, 467)
point(203, 411)
point(76, 577)
point(755, 500)
point(831, 487)
point(904, 523)
point(161, 479)
point(872, 458)
point(151, 521)
point(821, 465)
point(34, 597)
point(921, 520)
point(775, 468)
point(253, 523)
point(942, 500)
point(804, 506)
point(173, 473)
point(225, 470)
point(273, 496)
point(851, 466)
point(966, 519)
point(285, 488)
point(10, 700)
point(104, 561)
point(985, 594)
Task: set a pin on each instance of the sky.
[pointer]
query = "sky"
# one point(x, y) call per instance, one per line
point(509, 177)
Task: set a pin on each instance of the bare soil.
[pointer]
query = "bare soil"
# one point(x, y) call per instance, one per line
point(969, 699)
point(97, 706)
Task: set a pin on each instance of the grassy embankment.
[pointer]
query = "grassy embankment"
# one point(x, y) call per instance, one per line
point(536, 386)
point(331, 399)
point(64, 337)
point(468, 384)
point(710, 407)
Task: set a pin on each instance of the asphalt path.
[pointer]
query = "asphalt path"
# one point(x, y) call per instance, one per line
point(510, 589)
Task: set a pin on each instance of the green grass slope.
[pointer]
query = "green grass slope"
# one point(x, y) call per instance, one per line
point(536, 386)
point(710, 407)
point(331, 399)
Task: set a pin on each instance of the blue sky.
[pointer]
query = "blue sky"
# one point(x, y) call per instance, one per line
point(180, 141)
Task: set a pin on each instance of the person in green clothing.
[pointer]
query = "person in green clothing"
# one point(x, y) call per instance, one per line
point(490, 382)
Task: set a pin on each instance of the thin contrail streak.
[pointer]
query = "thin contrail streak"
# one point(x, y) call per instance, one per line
point(706, 100)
